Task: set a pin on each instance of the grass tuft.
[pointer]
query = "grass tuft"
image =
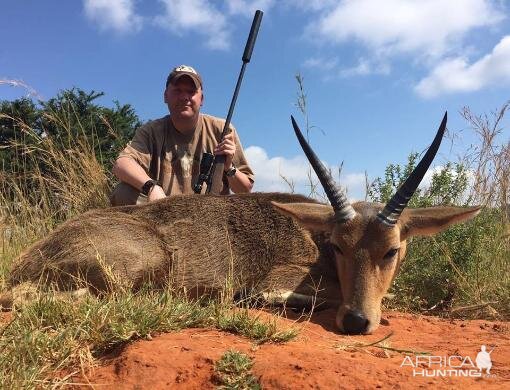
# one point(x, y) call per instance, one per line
point(243, 322)
point(233, 371)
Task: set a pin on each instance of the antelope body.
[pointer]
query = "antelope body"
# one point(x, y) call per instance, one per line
point(341, 253)
point(194, 242)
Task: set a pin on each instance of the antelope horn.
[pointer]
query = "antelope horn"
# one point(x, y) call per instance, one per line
point(391, 212)
point(343, 210)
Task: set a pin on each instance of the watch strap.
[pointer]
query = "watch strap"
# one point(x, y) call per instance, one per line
point(147, 187)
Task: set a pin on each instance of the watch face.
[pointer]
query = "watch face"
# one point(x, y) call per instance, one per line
point(231, 172)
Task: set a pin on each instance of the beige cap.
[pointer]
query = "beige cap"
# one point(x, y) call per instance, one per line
point(184, 70)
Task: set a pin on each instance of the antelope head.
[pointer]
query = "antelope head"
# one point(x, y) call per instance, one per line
point(369, 239)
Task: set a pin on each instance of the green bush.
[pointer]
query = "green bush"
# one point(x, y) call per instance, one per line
point(449, 185)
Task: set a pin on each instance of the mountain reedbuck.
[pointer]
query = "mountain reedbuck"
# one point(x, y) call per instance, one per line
point(285, 247)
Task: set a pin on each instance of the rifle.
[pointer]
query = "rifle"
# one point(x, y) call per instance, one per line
point(213, 175)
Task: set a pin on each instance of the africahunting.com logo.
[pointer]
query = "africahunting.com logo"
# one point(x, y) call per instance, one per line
point(451, 366)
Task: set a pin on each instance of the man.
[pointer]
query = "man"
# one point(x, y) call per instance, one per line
point(163, 158)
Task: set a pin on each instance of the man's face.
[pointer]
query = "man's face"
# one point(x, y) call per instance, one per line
point(183, 99)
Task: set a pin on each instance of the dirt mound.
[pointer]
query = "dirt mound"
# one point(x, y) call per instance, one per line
point(320, 358)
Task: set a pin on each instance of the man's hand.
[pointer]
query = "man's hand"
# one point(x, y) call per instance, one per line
point(239, 182)
point(228, 148)
point(156, 194)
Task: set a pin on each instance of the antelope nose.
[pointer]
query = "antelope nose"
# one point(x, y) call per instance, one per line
point(355, 322)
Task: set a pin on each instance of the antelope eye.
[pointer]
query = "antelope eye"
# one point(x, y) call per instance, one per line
point(391, 253)
point(337, 249)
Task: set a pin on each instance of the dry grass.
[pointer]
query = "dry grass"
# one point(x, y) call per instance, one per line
point(53, 183)
point(489, 159)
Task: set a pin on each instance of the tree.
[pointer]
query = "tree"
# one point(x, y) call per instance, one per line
point(15, 117)
point(72, 115)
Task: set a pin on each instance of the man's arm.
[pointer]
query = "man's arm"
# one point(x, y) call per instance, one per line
point(239, 182)
point(129, 171)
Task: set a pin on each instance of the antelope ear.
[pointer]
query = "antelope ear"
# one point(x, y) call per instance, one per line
point(432, 220)
point(318, 217)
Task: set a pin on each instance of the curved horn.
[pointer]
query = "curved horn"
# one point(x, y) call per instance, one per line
point(391, 212)
point(343, 210)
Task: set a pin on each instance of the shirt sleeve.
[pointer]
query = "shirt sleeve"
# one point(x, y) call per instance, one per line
point(139, 147)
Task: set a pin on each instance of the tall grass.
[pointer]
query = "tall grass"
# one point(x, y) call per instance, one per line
point(489, 159)
point(51, 183)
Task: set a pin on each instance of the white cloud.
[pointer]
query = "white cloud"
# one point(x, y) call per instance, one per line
point(313, 5)
point(331, 67)
point(321, 63)
point(354, 184)
point(204, 17)
point(117, 15)
point(426, 31)
point(198, 16)
point(269, 173)
point(457, 75)
point(248, 8)
point(365, 67)
point(428, 28)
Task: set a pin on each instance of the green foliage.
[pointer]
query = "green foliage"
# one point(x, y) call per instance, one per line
point(464, 265)
point(241, 321)
point(448, 186)
point(382, 189)
point(72, 114)
point(15, 117)
point(233, 372)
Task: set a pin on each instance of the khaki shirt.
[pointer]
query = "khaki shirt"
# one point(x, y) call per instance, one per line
point(173, 159)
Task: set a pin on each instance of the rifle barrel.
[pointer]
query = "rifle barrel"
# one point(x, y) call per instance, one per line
point(215, 182)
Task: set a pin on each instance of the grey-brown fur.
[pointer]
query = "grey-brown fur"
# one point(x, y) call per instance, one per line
point(198, 240)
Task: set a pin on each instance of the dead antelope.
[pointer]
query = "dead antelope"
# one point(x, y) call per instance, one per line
point(282, 245)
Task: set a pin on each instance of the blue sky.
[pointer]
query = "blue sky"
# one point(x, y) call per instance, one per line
point(378, 74)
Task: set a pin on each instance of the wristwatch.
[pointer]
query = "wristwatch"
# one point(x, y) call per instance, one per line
point(147, 187)
point(231, 171)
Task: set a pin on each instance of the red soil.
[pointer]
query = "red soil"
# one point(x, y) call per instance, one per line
point(319, 358)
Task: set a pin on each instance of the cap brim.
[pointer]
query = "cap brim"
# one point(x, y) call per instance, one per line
point(193, 77)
